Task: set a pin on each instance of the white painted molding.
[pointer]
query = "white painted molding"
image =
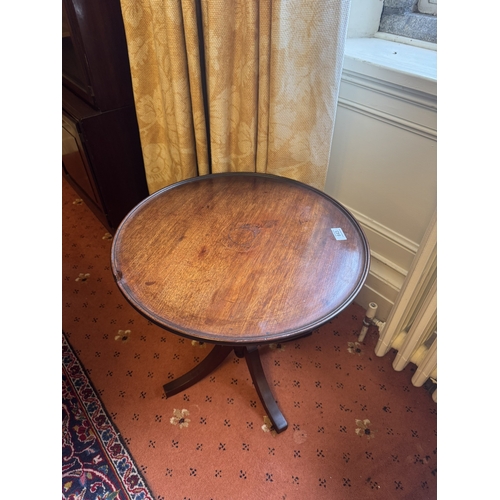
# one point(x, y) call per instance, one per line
point(401, 64)
point(370, 294)
point(414, 128)
point(386, 277)
point(387, 102)
point(409, 95)
point(387, 233)
point(386, 83)
point(399, 270)
point(392, 83)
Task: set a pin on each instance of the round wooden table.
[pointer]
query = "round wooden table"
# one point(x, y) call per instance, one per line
point(239, 260)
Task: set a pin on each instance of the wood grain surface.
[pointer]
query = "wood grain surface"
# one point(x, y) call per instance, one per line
point(239, 258)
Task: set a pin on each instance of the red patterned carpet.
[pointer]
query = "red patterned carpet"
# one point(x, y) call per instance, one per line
point(357, 429)
point(96, 462)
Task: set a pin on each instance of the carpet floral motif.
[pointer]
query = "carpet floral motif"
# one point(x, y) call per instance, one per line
point(180, 418)
point(355, 348)
point(95, 463)
point(363, 429)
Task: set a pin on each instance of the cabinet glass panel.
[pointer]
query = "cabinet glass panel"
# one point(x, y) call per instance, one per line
point(71, 67)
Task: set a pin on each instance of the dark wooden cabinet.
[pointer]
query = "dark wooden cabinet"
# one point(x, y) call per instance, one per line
point(102, 156)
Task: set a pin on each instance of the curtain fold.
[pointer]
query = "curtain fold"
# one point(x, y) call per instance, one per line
point(272, 72)
point(164, 58)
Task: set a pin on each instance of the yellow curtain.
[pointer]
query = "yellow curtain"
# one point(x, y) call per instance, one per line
point(272, 70)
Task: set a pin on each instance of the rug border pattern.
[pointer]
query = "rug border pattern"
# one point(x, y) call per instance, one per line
point(116, 450)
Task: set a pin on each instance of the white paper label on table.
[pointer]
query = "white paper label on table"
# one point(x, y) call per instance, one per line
point(338, 233)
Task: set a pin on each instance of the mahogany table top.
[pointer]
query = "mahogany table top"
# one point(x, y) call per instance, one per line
point(240, 258)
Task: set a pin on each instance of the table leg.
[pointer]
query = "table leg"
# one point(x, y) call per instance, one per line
point(214, 358)
point(252, 358)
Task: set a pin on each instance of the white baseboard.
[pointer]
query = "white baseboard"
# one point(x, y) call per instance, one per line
point(368, 295)
point(391, 256)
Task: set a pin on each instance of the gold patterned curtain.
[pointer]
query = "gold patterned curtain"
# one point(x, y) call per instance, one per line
point(272, 71)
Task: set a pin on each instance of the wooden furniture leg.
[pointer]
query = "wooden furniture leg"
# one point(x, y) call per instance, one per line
point(254, 364)
point(214, 358)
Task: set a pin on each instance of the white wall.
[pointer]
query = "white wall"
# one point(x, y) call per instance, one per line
point(364, 18)
point(383, 159)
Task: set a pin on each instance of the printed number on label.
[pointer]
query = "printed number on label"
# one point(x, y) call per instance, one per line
point(338, 233)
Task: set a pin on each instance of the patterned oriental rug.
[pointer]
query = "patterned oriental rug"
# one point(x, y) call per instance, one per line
point(95, 462)
point(357, 429)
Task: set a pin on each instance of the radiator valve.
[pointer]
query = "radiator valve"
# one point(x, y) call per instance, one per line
point(368, 320)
